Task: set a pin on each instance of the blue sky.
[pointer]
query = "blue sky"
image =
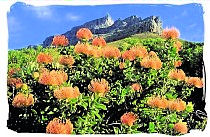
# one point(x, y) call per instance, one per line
point(30, 25)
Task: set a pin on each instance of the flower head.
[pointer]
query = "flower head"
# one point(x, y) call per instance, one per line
point(22, 100)
point(177, 74)
point(177, 63)
point(56, 126)
point(171, 33)
point(136, 87)
point(99, 41)
point(44, 58)
point(178, 46)
point(66, 60)
point(111, 52)
point(99, 86)
point(128, 118)
point(158, 102)
point(16, 82)
point(129, 55)
point(66, 92)
point(177, 105)
point(60, 40)
point(122, 65)
point(194, 81)
point(53, 77)
point(139, 51)
point(181, 127)
point(84, 33)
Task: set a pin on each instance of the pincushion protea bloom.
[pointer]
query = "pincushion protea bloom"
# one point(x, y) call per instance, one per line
point(178, 46)
point(66, 60)
point(177, 63)
point(81, 48)
point(53, 77)
point(128, 118)
point(194, 81)
point(67, 92)
point(17, 82)
point(177, 74)
point(99, 86)
point(129, 55)
point(136, 87)
point(181, 127)
point(99, 41)
point(44, 58)
point(111, 52)
point(56, 126)
point(158, 102)
point(139, 51)
point(177, 105)
point(84, 34)
point(171, 33)
point(60, 40)
point(122, 65)
point(22, 100)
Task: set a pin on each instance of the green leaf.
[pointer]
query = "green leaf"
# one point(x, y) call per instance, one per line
point(152, 127)
point(100, 106)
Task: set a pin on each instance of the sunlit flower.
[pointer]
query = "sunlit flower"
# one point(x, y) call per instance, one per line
point(177, 74)
point(60, 40)
point(128, 119)
point(67, 92)
point(139, 51)
point(81, 48)
point(36, 75)
point(151, 61)
point(56, 126)
point(158, 102)
point(177, 63)
point(22, 100)
point(177, 105)
point(99, 86)
point(44, 58)
point(129, 55)
point(84, 34)
point(194, 81)
point(16, 82)
point(111, 52)
point(136, 87)
point(122, 65)
point(171, 33)
point(94, 51)
point(181, 127)
point(178, 45)
point(66, 60)
point(53, 77)
point(99, 41)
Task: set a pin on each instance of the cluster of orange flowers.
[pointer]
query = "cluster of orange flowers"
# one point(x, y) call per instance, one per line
point(66, 60)
point(22, 100)
point(84, 34)
point(99, 86)
point(194, 81)
point(136, 87)
point(111, 52)
point(128, 118)
point(53, 77)
point(177, 74)
point(60, 40)
point(44, 58)
point(137, 51)
point(67, 92)
point(171, 33)
point(177, 63)
point(17, 82)
point(181, 127)
point(56, 126)
point(177, 104)
point(99, 41)
point(151, 61)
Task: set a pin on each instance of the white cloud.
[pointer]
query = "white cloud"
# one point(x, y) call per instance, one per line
point(72, 17)
point(42, 12)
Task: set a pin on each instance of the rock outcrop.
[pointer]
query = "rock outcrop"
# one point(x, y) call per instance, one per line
point(114, 30)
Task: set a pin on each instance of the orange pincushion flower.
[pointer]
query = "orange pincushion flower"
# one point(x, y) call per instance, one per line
point(194, 81)
point(136, 87)
point(128, 118)
point(94, 51)
point(178, 45)
point(158, 102)
point(122, 65)
point(139, 51)
point(44, 58)
point(53, 77)
point(171, 33)
point(17, 82)
point(60, 40)
point(177, 74)
point(99, 41)
point(67, 92)
point(181, 127)
point(177, 63)
point(22, 100)
point(66, 60)
point(177, 105)
point(99, 86)
point(129, 55)
point(84, 33)
point(151, 61)
point(56, 126)
point(81, 48)
point(111, 52)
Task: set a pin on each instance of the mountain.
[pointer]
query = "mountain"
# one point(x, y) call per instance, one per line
point(114, 30)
